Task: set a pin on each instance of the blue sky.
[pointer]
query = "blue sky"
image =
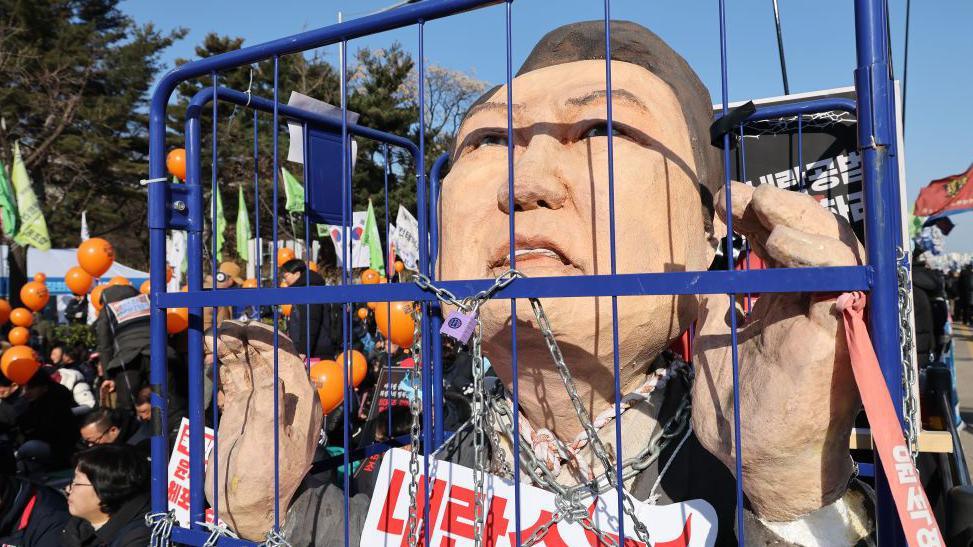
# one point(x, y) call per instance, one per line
point(818, 39)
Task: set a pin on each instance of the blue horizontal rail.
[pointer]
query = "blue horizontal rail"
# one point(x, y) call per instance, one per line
point(313, 119)
point(834, 279)
point(814, 106)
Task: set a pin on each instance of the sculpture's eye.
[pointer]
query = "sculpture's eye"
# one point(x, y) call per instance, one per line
point(491, 139)
point(601, 130)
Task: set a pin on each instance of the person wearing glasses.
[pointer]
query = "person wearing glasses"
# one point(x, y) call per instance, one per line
point(106, 426)
point(108, 499)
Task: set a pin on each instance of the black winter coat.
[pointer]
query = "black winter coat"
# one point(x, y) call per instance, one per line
point(47, 418)
point(31, 515)
point(927, 286)
point(310, 326)
point(126, 528)
point(121, 346)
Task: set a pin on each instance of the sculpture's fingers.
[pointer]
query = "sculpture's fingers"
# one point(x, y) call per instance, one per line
point(795, 248)
point(775, 207)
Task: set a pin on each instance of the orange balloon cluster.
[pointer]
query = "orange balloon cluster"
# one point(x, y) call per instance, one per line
point(284, 255)
point(370, 277)
point(359, 366)
point(326, 376)
point(176, 163)
point(78, 280)
point(96, 297)
point(21, 317)
point(18, 336)
point(394, 321)
point(19, 363)
point(35, 295)
point(4, 311)
point(95, 256)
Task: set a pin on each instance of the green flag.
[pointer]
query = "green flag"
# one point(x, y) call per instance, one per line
point(293, 191)
point(371, 240)
point(220, 224)
point(8, 204)
point(33, 227)
point(243, 229)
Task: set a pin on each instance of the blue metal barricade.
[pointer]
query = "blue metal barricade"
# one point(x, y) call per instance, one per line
point(173, 206)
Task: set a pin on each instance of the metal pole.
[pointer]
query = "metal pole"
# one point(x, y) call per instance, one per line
point(905, 61)
point(780, 49)
point(876, 130)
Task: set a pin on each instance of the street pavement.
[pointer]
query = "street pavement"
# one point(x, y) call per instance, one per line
point(963, 340)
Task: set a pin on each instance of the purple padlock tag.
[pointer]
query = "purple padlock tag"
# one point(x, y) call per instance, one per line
point(459, 326)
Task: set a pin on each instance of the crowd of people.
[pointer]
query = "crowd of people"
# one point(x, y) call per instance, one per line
point(74, 440)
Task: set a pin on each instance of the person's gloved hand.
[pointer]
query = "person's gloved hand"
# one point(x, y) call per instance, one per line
point(798, 396)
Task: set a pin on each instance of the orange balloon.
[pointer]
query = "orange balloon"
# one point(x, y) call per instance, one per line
point(96, 296)
point(399, 266)
point(95, 256)
point(145, 287)
point(21, 317)
point(286, 309)
point(328, 378)
point(35, 295)
point(370, 277)
point(371, 305)
point(399, 315)
point(176, 163)
point(4, 311)
point(359, 366)
point(250, 283)
point(78, 280)
point(18, 336)
point(313, 266)
point(177, 320)
point(284, 255)
point(19, 363)
point(119, 280)
point(168, 274)
point(363, 313)
point(40, 277)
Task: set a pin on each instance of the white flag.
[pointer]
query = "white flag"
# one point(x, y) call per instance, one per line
point(176, 253)
point(84, 226)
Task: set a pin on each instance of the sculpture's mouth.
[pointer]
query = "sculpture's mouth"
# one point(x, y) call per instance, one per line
point(534, 255)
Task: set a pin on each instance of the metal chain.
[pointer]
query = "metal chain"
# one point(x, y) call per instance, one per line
point(479, 452)
point(275, 539)
point(161, 525)
point(416, 411)
point(910, 407)
point(597, 445)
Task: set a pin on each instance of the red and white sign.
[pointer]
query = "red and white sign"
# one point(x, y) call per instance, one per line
point(451, 509)
point(179, 473)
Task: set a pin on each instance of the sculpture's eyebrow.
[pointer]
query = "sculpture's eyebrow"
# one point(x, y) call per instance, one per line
point(494, 107)
point(617, 94)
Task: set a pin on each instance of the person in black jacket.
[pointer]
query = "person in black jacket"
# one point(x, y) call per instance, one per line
point(37, 418)
point(309, 326)
point(108, 499)
point(964, 295)
point(122, 330)
point(928, 291)
point(31, 515)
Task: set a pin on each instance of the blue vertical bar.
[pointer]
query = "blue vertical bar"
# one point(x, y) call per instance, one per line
point(438, 430)
point(800, 152)
point(276, 130)
point(307, 253)
point(346, 208)
point(422, 210)
point(743, 178)
point(158, 335)
point(216, 369)
point(511, 199)
point(195, 334)
point(741, 539)
point(388, 315)
point(876, 133)
point(611, 234)
point(256, 199)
